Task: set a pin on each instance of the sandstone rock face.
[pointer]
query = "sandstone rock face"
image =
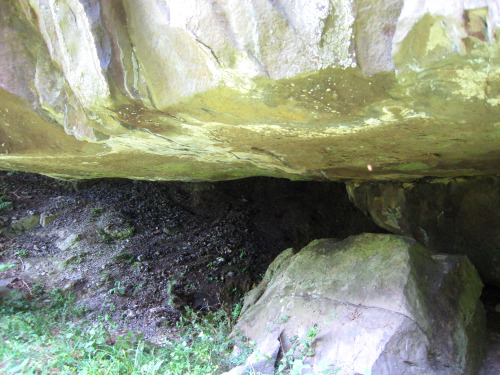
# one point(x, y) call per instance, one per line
point(458, 216)
point(214, 90)
point(380, 304)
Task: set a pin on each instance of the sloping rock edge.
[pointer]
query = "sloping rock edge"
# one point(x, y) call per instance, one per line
point(441, 316)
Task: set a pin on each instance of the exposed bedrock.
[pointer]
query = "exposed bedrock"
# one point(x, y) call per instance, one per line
point(457, 216)
point(388, 306)
point(204, 90)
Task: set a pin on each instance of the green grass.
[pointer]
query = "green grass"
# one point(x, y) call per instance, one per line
point(6, 266)
point(47, 335)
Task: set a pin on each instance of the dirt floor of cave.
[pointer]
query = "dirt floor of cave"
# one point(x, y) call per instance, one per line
point(141, 251)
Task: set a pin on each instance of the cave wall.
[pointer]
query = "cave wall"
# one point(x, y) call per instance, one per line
point(456, 216)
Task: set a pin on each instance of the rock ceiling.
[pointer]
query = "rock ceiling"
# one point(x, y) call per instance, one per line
point(215, 90)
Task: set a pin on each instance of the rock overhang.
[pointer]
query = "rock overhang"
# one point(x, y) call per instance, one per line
point(215, 91)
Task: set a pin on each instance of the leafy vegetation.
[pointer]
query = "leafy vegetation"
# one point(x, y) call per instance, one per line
point(293, 361)
point(96, 213)
point(4, 203)
point(46, 334)
point(6, 266)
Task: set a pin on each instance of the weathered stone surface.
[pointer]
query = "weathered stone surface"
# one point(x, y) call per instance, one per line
point(458, 216)
point(204, 90)
point(22, 225)
point(46, 219)
point(5, 292)
point(382, 305)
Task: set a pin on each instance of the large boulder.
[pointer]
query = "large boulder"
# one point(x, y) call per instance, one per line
point(371, 304)
point(457, 216)
point(215, 90)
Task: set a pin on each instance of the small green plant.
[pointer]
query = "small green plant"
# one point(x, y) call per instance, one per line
point(120, 233)
point(171, 231)
point(206, 337)
point(293, 360)
point(328, 370)
point(4, 203)
point(21, 253)
point(284, 319)
point(37, 289)
point(138, 287)
point(170, 287)
point(136, 265)
point(76, 259)
point(331, 316)
point(117, 289)
point(105, 276)
point(6, 267)
point(75, 240)
point(237, 310)
point(125, 258)
point(96, 213)
point(106, 238)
